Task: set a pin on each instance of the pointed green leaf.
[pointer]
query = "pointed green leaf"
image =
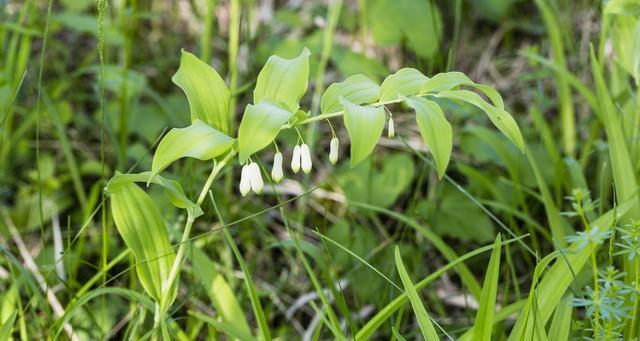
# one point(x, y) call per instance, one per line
point(219, 291)
point(364, 125)
point(426, 326)
point(172, 189)
point(484, 318)
point(142, 228)
point(198, 141)
point(499, 117)
point(435, 130)
point(405, 82)
point(357, 89)
point(283, 81)
point(259, 127)
point(561, 322)
point(6, 326)
point(449, 80)
point(206, 92)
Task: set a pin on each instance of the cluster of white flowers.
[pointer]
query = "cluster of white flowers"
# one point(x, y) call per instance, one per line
point(251, 178)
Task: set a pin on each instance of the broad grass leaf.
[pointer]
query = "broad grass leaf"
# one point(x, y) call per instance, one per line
point(404, 82)
point(224, 326)
point(142, 228)
point(219, 292)
point(561, 323)
point(198, 141)
point(624, 175)
point(483, 324)
point(357, 89)
point(283, 81)
point(206, 92)
point(364, 125)
point(560, 275)
point(259, 127)
point(435, 130)
point(499, 117)
point(426, 326)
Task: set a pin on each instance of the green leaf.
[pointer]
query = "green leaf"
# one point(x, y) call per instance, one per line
point(426, 326)
point(364, 125)
point(435, 130)
point(561, 322)
point(405, 82)
point(499, 117)
point(417, 22)
point(283, 81)
point(172, 189)
point(206, 92)
point(449, 80)
point(357, 89)
point(142, 228)
point(220, 293)
point(484, 318)
point(7, 326)
point(198, 141)
point(259, 127)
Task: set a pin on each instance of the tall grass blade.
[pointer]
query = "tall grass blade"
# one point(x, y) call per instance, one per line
point(426, 326)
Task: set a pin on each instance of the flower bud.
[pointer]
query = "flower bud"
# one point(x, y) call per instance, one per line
point(333, 150)
point(390, 128)
point(245, 182)
point(256, 178)
point(305, 158)
point(276, 171)
point(295, 160)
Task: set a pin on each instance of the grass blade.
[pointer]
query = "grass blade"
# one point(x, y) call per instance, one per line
point(428, 331)
point(483, 325)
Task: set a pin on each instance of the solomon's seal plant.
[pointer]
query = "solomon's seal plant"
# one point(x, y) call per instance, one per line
point(279, 88)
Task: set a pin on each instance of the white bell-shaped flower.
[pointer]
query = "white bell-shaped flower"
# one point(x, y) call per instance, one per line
point(245, 181)
point(295, 160)
point(333, 150)
point(305, 158)
point(391, 130)
point(276, 171)
point(256, 178)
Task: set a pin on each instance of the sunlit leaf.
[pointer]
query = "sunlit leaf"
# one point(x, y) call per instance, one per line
point(198, 141)
point(283, 81)
point(142, 228)
point(449, 80)
point(435, 130)
point(364, 125)
point(206, 92)
point(499, 117)
point(259, 127)
point(357, 89)
point(405, 82)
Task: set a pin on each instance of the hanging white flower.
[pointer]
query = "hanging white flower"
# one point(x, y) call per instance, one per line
point(333, 150)
point(391, 130)
point(276, 171)
point(305, 158)
point(256, 178)
point(295, 160)
point(245, 181)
